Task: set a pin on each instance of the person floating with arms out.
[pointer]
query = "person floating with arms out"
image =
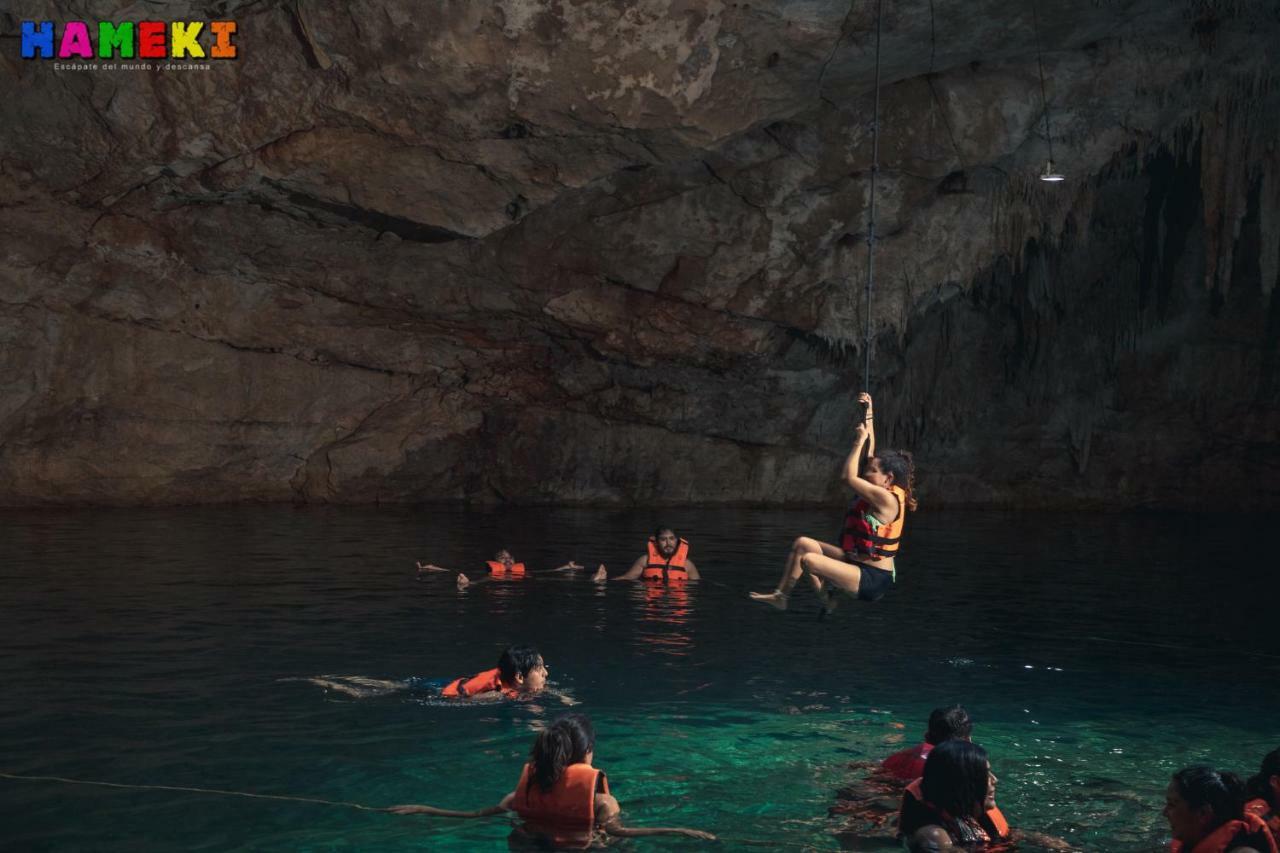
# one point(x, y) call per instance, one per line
point(863, 563)
point(502, 567)
point(666, 560)
point(562, 798)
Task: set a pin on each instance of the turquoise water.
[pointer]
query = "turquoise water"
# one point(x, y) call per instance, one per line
point(1097, 654)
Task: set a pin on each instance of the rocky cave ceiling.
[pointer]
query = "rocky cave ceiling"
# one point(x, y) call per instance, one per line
point(615, 253)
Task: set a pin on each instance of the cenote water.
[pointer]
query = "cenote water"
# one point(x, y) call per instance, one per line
point(1096, 653)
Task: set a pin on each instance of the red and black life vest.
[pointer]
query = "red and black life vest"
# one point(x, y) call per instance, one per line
point(658, 568)
point(863, 534)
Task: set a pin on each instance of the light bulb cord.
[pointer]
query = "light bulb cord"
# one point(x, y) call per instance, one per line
point(1044, 99)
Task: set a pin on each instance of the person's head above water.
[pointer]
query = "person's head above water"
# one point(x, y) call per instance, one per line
point(522, 667)
point(1266, 784)
point(958, 779)
point(892, 468)
point(504, 557)
point(571, 739)
point(1199, 800)
point(666, 540)
point(951, 723)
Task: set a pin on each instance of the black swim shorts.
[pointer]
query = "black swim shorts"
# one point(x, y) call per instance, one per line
point(875, 582)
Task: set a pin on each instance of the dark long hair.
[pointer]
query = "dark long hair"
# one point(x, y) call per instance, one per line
point(1260, 785)
point(902, 465)
point(955, 778)
point(564, 742)
point(1201, 786)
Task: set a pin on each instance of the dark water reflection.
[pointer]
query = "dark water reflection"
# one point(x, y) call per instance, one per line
point(1098, 653)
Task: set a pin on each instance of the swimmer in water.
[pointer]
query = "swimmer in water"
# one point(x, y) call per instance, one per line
point(666, 559)
point(862, 565)
point(521, 673)
point(563, 799)
point(502, 567)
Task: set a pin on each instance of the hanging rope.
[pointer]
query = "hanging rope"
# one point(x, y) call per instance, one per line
point(1044, 99)
point(871, 211)
point(189, 790)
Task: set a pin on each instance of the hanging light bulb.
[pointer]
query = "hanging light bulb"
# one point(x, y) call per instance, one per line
point(1049, 175)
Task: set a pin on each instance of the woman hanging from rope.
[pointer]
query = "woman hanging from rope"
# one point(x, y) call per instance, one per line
point(863, 563)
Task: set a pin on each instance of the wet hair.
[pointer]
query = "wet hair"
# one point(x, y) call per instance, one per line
point(517, 660)
point(661, 529)
point(1200, 786)
point(901, 464)
point(948, 724)
point(498, 554)
point(566, 741)
point(1260, 785)
point(955, 777)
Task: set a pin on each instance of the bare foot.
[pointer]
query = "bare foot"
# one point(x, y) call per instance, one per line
point(601, 575)
point(777, 598)
point(463, 581)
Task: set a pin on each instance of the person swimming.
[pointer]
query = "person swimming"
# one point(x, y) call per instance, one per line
point(1205, 810)
point(521, 671)
point(666, 560)
point(563, 799)
point(502, 567)
point(862, 564)
point(953, 805)
point(945, 724)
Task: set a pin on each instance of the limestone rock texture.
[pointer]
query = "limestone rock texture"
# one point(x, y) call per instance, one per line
point(615, 253)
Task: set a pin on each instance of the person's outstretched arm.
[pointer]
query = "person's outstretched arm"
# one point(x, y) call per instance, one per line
point(429, 567)
point(633, 573)
point(435, 812)
point(1048, 842)
point(883, 501)
point(569, 565)
point(868, 418)
point(608, 817)
point(692, 570)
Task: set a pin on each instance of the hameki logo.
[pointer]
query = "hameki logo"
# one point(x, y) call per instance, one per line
point(129, 40)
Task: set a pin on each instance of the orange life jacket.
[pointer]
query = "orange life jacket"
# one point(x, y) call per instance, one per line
point(860, 536)
point(657, 568)
point(500, 570)
point(488, 681)
point(1228, 837)
point(566, 813)
point(1268, 815)
point(990, 828)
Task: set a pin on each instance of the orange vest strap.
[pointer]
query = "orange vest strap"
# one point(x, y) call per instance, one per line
point(1223, 838)
point(499, 570)
point(486, 682)
point(997, 820)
